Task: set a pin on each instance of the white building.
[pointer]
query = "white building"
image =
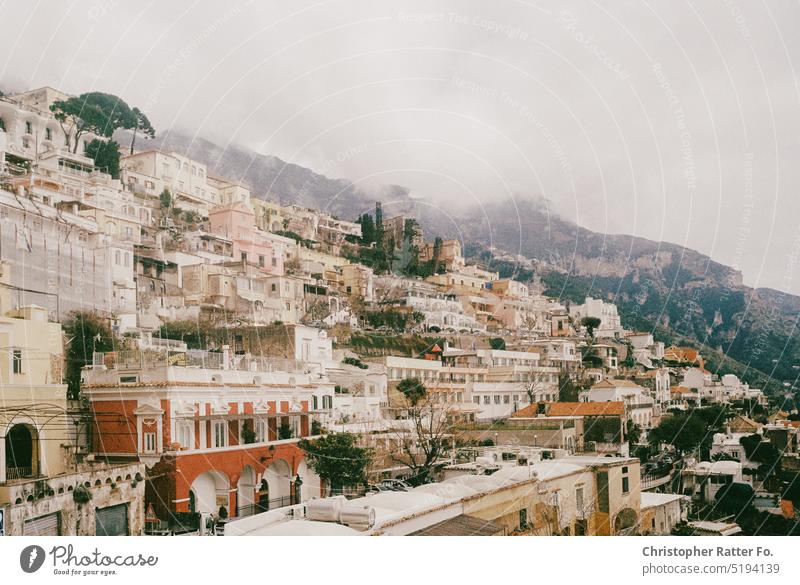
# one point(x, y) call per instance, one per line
point(610, 323)
point(442, 311)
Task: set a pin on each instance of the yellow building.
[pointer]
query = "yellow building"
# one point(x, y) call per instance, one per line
point(33, 412)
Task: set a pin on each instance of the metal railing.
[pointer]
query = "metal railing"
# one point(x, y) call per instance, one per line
point(259, 507)
point(651, 480)
point(18, 472)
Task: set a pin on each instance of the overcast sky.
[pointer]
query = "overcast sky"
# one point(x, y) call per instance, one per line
point(670, 120)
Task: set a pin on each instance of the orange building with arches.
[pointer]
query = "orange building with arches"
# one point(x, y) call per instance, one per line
point(216, 431)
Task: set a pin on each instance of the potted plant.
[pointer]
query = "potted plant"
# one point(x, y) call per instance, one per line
point(81, 495)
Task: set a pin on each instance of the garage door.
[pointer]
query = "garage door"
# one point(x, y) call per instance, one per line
point(41, 526)
point(112, 521)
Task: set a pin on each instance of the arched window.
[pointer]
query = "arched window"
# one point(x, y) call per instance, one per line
point(22, 452)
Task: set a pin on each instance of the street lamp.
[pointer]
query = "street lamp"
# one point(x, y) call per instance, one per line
point(298, 482)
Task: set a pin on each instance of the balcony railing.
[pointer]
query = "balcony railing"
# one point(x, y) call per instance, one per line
point(129, 359)
point(258, 508)
point(18, 472)
point(652, 480)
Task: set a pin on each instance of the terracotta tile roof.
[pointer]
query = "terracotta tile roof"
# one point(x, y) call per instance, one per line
point(574, 409)
point(685, 354)
point(742, 420)
point(680, 390)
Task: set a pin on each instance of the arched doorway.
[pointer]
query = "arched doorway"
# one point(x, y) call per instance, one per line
point(279, 478)
point(262, 496)
point(22, 451)
point(245, 492)
point(625, 522)
point(210, 492)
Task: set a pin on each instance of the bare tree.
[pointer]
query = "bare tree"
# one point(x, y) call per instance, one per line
point(429, 433)
point(537, 380)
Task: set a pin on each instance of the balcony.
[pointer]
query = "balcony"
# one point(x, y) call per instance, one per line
point(24, 491)
point(13, 473)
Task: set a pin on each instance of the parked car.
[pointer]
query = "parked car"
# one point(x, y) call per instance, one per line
point(395, 485)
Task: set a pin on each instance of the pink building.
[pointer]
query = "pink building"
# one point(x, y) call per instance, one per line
point(236, 221)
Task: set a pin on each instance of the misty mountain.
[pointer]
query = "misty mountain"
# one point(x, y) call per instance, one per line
point(269, 177)
point(680, 294)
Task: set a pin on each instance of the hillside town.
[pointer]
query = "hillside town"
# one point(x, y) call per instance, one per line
point(187, 354)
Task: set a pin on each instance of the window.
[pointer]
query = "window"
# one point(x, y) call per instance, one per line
point(128, 379)
point(523, 518)
point(261, 431)
point(506, 399)
point(48, 133)
point(185, 435)
point(220, 433)
point(487, 399)
point(150, 442)
point(497, 399)
point(16, 357)
point(625, 486)
point(476, 399)
point(244, 256)
point(261, 260)
point(579, 500)
point(28, 128)
point(314, 403)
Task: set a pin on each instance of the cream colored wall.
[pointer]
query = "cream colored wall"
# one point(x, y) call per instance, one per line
point(36, 396)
